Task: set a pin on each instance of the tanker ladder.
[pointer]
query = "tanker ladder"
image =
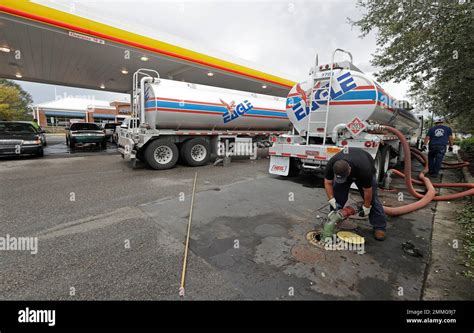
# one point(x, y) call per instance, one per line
point(325, 111)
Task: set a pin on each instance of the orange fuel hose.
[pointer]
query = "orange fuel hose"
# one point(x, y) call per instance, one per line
point(419, 182)
point(456, 165)
point(426, 198)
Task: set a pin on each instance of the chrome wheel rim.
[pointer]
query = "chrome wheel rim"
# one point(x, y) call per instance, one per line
point(386, 162)
point(377, 165)
point(163, 154)
point(198, 153)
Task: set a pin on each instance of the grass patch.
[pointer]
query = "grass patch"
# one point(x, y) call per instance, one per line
point(467, 145)
point(466, 219)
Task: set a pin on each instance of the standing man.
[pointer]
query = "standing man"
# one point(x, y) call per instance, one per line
point(355, 165)
point(35, 124)
point(438, 137)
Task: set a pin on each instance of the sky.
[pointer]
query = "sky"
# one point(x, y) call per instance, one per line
point(277, 37)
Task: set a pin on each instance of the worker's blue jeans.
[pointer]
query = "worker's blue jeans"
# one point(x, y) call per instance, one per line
point(435, 158)
point(377, 216)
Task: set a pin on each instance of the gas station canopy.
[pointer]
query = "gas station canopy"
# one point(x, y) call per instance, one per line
point(41, 44)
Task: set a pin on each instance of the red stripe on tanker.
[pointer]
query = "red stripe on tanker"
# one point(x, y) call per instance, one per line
point(177, 105)
point(353, 94)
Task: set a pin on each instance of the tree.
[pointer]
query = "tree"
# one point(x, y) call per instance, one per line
point(429, 44)
point(14, 101)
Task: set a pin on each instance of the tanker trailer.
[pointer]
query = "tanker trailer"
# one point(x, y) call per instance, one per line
point(346, 106)
point(172, 119)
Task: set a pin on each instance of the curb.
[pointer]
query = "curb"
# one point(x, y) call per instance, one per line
point(465, 171)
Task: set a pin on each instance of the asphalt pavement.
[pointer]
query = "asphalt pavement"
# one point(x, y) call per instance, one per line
point(107, 231)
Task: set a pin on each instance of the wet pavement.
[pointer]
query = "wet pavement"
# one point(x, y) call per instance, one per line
point(248, 238)
point(56, 147)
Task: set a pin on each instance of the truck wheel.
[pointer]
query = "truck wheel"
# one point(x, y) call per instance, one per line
point(161, 154)
point(196, 152)
point(71, 144)
point(385, 159)
point(294, 169)
point(140, 155)
point(382, 160)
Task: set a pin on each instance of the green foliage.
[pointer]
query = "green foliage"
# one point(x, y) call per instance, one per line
point(467, 145)
point(431, 45)
point(466, 219)
point(14, 101)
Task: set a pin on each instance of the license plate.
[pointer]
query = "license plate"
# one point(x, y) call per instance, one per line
point(279, 165)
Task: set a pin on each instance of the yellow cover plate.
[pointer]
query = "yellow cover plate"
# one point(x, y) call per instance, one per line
point(350, 237)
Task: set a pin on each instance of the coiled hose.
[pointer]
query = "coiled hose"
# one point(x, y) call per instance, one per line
point(430, 195)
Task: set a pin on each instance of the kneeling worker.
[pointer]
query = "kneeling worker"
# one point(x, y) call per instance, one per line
point(355, 165)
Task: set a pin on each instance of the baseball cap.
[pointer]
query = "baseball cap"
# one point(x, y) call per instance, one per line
point(341, 171)
point(340, 178)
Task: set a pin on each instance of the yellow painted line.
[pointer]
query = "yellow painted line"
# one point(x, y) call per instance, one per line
point(47, 15)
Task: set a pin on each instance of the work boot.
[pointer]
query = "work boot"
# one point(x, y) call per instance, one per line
point(379, 235)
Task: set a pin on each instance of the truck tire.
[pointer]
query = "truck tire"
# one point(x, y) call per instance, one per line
point(40, 152)
point(72, 145)
point(161, 154)
point(294, 169)
point(382, 160)
point(140, 155)
point(196, 152)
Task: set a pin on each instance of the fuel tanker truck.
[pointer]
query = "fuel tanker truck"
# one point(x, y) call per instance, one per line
point(172, 119)
point(339, 106)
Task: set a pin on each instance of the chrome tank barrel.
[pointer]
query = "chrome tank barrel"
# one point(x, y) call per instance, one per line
point(352, 94)
point(180, 105)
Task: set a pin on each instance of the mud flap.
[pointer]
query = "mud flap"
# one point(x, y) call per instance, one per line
point(279, 165)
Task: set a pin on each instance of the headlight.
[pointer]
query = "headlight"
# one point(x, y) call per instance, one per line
point(32, 142)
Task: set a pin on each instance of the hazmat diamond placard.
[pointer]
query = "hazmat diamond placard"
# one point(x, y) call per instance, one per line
point(355, 126)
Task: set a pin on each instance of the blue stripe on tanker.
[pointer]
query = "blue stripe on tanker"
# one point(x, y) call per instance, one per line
point(348, 96)
point(208, 108)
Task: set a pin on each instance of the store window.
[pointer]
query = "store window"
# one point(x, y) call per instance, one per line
point(60, 121)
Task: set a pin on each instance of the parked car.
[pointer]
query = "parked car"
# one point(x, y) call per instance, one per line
point(109, 129)
point(85, 133)
point(20, 138)
point(43, 137)
point(40, 130)
point(73, 121)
